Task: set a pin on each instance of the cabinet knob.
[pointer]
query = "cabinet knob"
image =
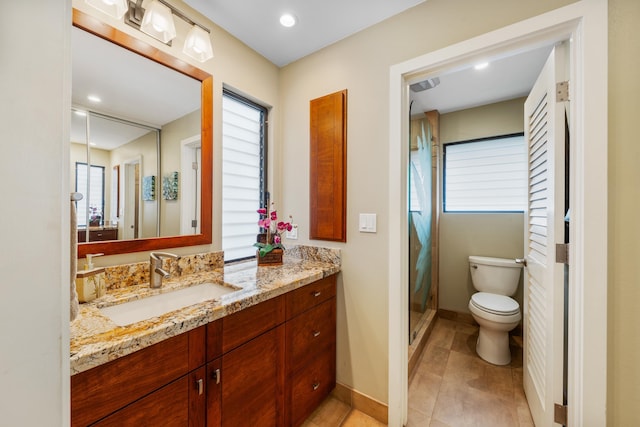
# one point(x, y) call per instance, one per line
point(316, 334)
point(315, 385)
point(316, 294)
point(200, 384)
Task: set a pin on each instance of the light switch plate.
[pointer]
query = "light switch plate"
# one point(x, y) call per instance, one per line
point(367, 223)
point(293, 234)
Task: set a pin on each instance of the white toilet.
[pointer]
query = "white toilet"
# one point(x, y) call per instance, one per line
point(496, 279)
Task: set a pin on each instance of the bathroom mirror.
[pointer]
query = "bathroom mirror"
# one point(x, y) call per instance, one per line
point(149, 153)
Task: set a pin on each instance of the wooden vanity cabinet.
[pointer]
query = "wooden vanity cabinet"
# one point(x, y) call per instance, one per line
point(145, 385)
point(311, 348)
point(267, 365)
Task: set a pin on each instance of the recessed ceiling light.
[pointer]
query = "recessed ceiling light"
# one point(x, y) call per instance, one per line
point(288, 20)
point(94, 98)
point(481, 66)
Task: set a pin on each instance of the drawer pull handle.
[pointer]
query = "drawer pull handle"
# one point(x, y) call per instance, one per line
point(200, 385)
point(316, 294)
point(216, 376)
point(316, 334)
point(315, 385)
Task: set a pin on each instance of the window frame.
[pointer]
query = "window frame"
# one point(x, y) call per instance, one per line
point(85, 165)
point(264, 144)
point(444, 174)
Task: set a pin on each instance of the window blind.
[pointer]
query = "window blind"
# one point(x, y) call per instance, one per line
point(96, 191)
point(485, 176)
point(242, 141)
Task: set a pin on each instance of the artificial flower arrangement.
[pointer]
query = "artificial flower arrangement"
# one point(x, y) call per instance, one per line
point(273, 228)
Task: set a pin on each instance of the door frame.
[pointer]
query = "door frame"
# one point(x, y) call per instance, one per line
point(585, 24)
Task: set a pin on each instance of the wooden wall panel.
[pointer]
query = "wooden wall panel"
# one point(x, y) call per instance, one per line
point(328, 167)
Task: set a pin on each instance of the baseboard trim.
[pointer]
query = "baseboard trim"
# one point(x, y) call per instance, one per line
point(362, 402)
point(456, 316)
point(468, 319)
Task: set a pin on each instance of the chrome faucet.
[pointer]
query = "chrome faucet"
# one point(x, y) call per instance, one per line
point(156, 272)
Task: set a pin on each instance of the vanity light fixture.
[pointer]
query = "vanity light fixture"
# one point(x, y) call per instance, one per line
point(157, 21)
point(113, 8)
point(198, 44)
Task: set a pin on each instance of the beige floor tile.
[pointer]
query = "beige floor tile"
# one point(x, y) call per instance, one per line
point(360, 419)
point(329, 414)
point(423, 392)
point(434, 360)
point(465, 343)
point(416, 418)
point(442, 334)
point(460, 407)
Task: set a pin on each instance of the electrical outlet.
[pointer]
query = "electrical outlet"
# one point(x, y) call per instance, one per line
point(293, 234)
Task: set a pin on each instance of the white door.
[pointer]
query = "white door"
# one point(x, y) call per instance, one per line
point(544, 227)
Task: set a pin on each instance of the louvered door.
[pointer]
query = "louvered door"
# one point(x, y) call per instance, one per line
point(543, 299)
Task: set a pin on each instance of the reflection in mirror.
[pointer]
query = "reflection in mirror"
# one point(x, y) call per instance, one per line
point(121, 154)
point(140, 144)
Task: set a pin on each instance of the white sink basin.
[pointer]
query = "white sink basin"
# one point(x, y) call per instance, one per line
point(157, 305)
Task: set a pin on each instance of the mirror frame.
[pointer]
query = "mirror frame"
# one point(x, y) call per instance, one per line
point(98, 28)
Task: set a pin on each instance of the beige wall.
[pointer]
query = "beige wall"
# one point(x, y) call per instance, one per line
point(34, 219)
point(623, 392)
point(463, 234)
point(361, 64)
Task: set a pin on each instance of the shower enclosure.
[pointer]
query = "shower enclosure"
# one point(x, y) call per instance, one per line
point(423, 220)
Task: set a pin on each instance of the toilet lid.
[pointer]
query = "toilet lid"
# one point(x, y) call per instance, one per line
point(495, 304)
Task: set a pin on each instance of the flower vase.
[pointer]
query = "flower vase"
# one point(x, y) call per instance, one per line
point(272, 258)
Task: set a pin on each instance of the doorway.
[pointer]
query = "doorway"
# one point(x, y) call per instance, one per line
point(585, 24)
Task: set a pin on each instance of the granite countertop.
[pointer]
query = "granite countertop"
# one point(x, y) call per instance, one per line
point(95, 339)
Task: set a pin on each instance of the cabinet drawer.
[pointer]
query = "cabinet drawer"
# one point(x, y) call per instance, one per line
point(168, 406)
point(311, 385)
point(102, 390)
point(247, 324)
point(310, 333)
point(310, 295)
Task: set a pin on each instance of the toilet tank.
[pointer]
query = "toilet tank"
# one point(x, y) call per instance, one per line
point(495, 275)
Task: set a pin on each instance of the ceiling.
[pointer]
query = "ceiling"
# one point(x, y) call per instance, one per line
point(140, 91)
point(320, 23)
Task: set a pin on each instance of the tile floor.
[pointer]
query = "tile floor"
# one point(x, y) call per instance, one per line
point(451, 387)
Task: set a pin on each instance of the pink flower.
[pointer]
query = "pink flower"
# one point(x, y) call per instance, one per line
point(282, 226)
point(289, 226)
point(264, 223)
point(262, 211)
point(276, 239)
point(274, 215)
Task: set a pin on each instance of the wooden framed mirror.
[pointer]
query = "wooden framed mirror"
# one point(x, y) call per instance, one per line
point(98, 28)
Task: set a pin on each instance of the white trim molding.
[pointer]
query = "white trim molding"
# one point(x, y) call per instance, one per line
point(584, 23)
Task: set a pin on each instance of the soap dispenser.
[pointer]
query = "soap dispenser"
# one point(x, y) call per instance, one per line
point(90, 283)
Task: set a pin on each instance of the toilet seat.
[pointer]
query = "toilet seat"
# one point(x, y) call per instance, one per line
point(499, 305)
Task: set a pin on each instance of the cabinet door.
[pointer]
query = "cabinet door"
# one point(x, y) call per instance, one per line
point(253, 382)
point(197, 397)
point(214, 393)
